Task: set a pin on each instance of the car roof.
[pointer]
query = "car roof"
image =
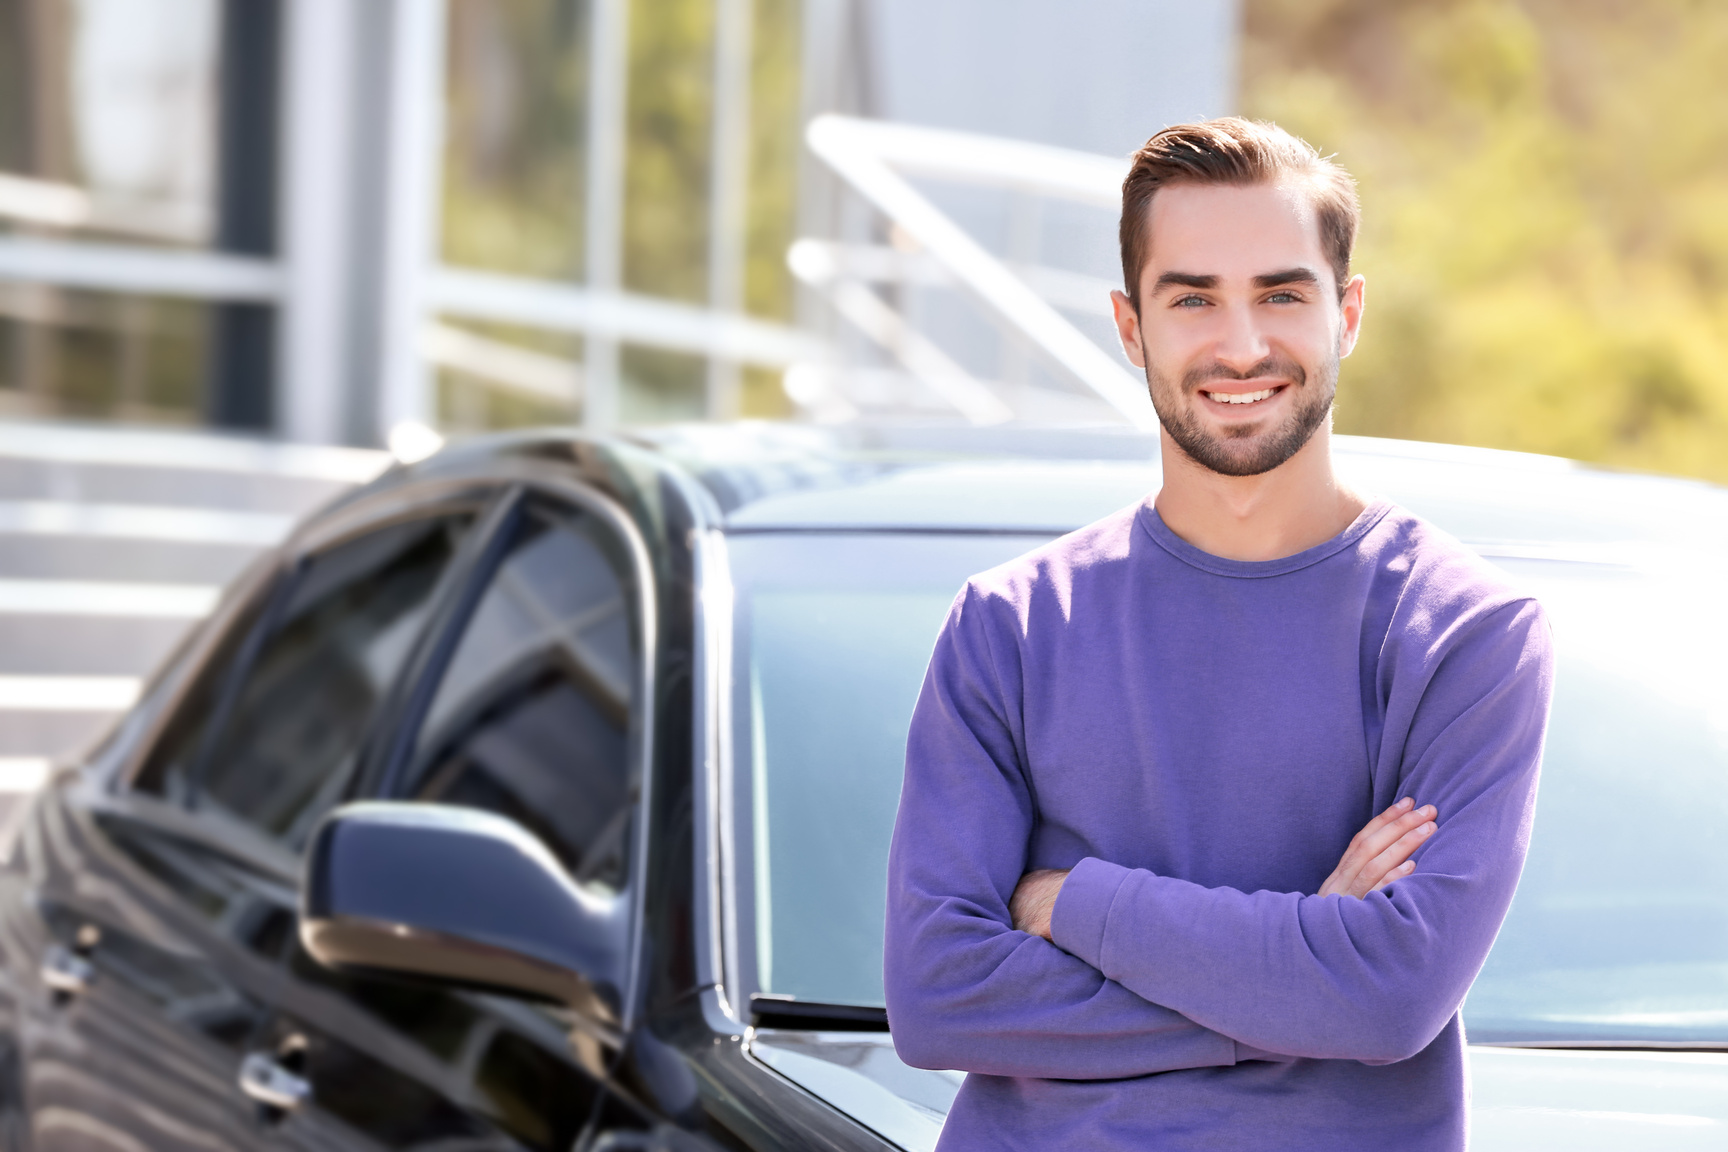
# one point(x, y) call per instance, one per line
point(779, 477)
point(768, 477)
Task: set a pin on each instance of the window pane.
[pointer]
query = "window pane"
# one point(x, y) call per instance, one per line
point(503, 375)
point(833, 634)
point(169, 770)
point(532, 719)
point(112, 117)
point(1619, 931)
point(102, 355)
point(298, 718)
point(517, 86)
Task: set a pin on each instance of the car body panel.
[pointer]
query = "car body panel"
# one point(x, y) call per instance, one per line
point(1522, 1099)
point(1528, 1099)
point(860, 1074)
point(145, 1055)
point(966, 482)
point(694, 1063)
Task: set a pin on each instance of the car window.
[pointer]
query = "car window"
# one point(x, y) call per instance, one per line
point(532, 718)
point(832, 633)
point(1618, 934)
point(272, 742)
point(168, 770)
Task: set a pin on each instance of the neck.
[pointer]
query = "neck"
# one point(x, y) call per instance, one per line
point(1279, 513)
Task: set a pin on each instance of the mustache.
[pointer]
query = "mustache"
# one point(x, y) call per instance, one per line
point(1283, 366)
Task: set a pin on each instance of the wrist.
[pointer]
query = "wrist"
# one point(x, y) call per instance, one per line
point(1078, 916)
point(1051, 889)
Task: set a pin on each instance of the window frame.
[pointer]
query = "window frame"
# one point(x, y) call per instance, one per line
point(367, 514)
point(379, 777)
point(490, 496)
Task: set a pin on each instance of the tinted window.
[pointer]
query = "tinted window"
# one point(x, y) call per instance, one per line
point(168, 772)
point(290, 727)
point(533, 716)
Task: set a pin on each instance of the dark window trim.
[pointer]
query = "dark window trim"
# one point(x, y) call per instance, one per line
point(382, 765)
point(239, 845)
point(241, 370)
point(281, 593)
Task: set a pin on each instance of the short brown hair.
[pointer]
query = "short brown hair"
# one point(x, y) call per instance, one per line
point(1231, 150)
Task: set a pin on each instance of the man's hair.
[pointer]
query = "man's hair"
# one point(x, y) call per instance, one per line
point(1231, 150)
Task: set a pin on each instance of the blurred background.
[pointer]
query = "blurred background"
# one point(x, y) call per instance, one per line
point(321, 219)
point(247, 244)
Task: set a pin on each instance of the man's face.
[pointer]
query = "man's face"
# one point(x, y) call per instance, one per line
point(1240, 327)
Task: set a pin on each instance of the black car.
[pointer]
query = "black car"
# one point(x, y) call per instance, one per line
point(537, 796)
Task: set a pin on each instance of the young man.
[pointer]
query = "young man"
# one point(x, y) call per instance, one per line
point(1137, 889)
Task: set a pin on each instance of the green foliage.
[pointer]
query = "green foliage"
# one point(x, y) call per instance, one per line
point(666, 162)
point(663, 385)
point(775, 143)
point(771, 220)
point(1545, 215)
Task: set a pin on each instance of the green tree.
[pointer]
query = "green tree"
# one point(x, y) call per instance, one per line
point(1545, 215)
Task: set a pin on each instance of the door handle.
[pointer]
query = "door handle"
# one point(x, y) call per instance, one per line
point(270, 1084)
point(65, 972)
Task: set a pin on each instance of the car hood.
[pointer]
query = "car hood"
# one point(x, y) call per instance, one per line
point(1523, 1099)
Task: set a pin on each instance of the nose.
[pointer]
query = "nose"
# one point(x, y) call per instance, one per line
point(1241, 343)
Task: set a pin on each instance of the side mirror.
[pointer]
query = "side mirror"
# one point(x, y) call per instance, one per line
point(464, 896)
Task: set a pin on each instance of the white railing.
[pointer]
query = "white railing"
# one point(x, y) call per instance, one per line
point(876, 160)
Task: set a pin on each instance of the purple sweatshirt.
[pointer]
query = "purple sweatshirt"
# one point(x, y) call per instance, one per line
point(1198, 739)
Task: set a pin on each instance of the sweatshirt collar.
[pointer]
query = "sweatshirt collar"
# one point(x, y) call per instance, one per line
point(1154, 525)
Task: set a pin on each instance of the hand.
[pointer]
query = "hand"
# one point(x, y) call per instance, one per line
point(1034, 898)
point(1380, 853)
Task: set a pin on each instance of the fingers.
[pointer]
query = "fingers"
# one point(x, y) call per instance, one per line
point(1395, 858)
point(1361, 842)
point(1384, 843)
point(1397, 873)
point(1384, 819)
point(1390, 833)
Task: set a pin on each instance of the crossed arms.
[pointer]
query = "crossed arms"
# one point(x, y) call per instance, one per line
point(1130, 972)
point(1377, 855)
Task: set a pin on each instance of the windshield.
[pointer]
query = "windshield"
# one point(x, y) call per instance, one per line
point(832, 634)
point(1619, 932)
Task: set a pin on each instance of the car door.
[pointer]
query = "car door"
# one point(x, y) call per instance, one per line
point(535, 713)
point(117, 1021)
point(164, 905)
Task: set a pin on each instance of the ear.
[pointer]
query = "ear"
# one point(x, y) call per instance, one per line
point(1128, 328)
point(1350, 308)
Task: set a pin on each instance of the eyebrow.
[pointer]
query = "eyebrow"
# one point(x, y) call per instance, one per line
point(1287, 276)
point(1267, 280)
point(1183, 280)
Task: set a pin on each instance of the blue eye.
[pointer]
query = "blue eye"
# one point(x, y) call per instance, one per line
point(1283, 298)
point(1189, 302)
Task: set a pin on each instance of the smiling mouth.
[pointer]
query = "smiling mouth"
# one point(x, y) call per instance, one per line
point(1243, 397)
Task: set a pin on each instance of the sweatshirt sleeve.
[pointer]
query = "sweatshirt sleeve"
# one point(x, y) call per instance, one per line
point(1334, 977)
point(965, 989)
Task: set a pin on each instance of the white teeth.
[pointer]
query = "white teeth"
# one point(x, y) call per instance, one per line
point(1241, 397)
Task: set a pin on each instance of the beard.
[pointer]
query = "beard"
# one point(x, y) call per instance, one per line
point(1252, 449)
